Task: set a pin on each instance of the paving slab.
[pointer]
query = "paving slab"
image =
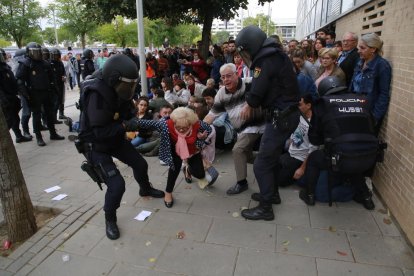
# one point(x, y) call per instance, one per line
point(347, 219)
point(217, 206)
point(169, 224)
point(339, 268)
point(139, 249)
point(408, 272)
point(386, 224)
point(259, 263)
point(287, 214)
point(77, 265)
point(84, 240)
point(374, 249)
point(240, 233)
point(313, 243)
point(194, 258)
point(125, 270)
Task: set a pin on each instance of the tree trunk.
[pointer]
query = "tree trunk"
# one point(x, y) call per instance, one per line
point(206, 35)
point(15, 199)
point(83, 40)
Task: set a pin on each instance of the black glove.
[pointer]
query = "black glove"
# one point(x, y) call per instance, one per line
point(131, 125)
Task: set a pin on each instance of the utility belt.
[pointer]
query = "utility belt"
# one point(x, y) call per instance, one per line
point(280, 118)
point(96, 172)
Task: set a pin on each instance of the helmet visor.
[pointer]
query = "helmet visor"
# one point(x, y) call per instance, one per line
point(246, 58)
point(35, 53)
point(125, 88)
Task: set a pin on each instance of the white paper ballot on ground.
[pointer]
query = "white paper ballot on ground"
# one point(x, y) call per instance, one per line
point(60, 197)
point(143, 215)
point(52, 189)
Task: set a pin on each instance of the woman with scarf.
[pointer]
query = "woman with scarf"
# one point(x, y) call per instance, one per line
point(182, 138)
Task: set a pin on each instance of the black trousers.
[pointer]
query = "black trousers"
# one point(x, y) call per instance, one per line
point(195, 166)
point(288, 166)
point(127, 154)
point(266, 163)
point(317, 162)
point(39, 99)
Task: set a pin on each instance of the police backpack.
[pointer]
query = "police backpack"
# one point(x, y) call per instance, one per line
point(351, 145)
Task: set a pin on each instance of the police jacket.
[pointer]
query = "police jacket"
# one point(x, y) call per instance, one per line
point(8, 88)
point(87, 67)
point(58, 70)
point(33, 75)
point(102, 114)
point(274, 82)
point(339, 113)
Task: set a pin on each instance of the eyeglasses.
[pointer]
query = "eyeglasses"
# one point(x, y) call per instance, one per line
point(348, 40)
point(227, 76)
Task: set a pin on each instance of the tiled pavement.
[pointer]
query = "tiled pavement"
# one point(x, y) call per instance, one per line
point(203, 234)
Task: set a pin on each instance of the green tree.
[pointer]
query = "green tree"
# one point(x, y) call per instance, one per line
point(48, 35)
point(72, 15)
point(119, 31)
point(175, 12)
point(4, 43)
point(221, 36)
point(19, 19)
point(263, 22)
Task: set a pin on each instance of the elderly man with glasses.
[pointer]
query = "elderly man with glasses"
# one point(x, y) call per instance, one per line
point(231, 99)
point(349, 56)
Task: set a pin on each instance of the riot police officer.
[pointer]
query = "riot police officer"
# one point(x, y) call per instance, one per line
point(58, 70)
point(332, 122)
point(274, 88)
point(35, 82)
point(105, 104)
point(9, 102)
point(87, 66)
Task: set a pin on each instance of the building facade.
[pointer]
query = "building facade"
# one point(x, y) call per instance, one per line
point(393, 20)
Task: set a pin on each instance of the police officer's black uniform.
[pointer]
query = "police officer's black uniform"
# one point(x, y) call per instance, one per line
point(86, 64)
point(59, 73)
point(322, 126)
point(9, 102)
point(274, 88)
point(105, 105)
point(35, 82)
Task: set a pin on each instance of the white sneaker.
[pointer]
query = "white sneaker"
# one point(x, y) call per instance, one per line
point(162, 163)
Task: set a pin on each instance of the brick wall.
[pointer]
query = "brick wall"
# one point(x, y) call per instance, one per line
point(393, 179)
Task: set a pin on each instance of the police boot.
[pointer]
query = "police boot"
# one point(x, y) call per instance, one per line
point(55, 136)
point(39, 140)
point(307, 197)
point(262, 211)
point(150, 191)
point(274, 200)
point(21, 139)
point(62, 116)
point(112, 230)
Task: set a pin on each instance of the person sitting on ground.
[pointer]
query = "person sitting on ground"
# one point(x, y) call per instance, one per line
point(151, 147)
point(196, 88)
point(183, 95)
point(157, 101)
point(140, 137)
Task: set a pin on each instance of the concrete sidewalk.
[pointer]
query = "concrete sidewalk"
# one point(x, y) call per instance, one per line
point(203, 234)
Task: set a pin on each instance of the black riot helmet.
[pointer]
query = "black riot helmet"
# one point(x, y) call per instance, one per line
point(121, 73)
point(127, 51)
point(88, 54)
point(19, 53)
point(45, 53)
point(3, 57)
point(55, 54)
point(34, 51)
point(248, 43)
point(330, 85)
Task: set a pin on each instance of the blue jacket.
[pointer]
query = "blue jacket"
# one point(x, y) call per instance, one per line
point(374, 81)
